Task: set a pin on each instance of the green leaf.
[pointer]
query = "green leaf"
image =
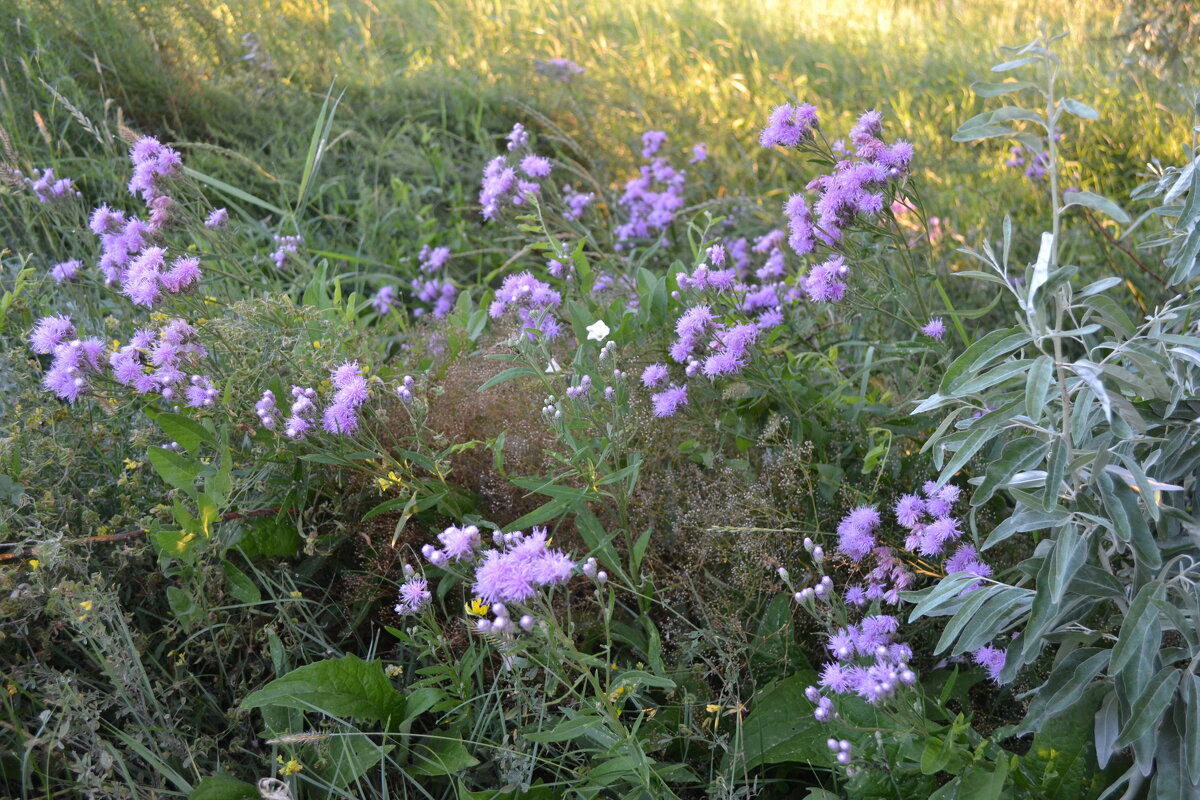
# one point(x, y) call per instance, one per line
point(183, 606)
point(1065, 685)
point(1038, 383)
point(240, 585)
point(1107, 726)
point(222, 786)
point(778, 731)
point(270, 537)
point(1140, 628)
point(980, 354)
point(1150, 707)
point(340, 687)
point(1070, 552)
point(978, 784)
point(510, 374)
point(1079, 108)
point(1018, 455)
point(579, 726)
point(1096, 202)
point(175, 469)
point(184, 431)
point(1016, 63)
point(351, 754)
point(1191, 732)
point(233, 191)
point(983, 89)
point(1055, 469)
point(445, 755)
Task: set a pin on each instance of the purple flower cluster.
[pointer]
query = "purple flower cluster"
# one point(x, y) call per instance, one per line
point(699, 153)
point(405, 390)
point(75, 360)
point(557, 69)
point(285, 246)
point(509, 182)
point(440, 293)
point(66, 271)
point(532, 300)
point(856, 187)
point(384, 300)
point(49, 189)
point(129, 256)
point(266, 411)
point(577, 202)
point(867, 662)
point(519, 566)
point(935, 329)
point(928, 519)
point(414, 594)
point(856, 532)
point(302, 412)
point(789, 127)
point(350, 392)
point(151, 363)
point(651, 199)
point(1033, 162)
point(217, 220)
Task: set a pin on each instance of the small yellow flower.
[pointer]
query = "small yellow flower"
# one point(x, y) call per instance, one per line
point(476, 608)
point(11, 689)
point(394, 670)
point(392, 480)
point(290, 768)
point(86, 605)
point(317, 344)
point(34, 563)
point(712, 708)
point(131, 464)
point(295, 595)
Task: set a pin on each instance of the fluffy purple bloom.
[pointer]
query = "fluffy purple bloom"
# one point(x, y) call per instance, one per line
point(459, 543)
point(217, 219)
point(835, 677)
point(432, 259)
point(934, 536)
point(667, 402)
point(535, 166)
point(652, 142)
point(789, 127)
point(577, 203)
point(559, 69)
point(551, 567)
point(518, 137)
point(503, 578)
point(66, 271)
point(201, 393)
point(184, 272)
point(934, 329)
point(105, 220)
point(693, 322)
point(856, 532)
point(49, 333)
point(414, 594)
point(340, 418)
point(826, 282)
point(384, 300)
point(992, 659)
point(699, 153)
point(653, 375)
point(909, 509)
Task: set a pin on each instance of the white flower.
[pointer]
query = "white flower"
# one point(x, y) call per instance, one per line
point(597, 331)
point(553, 366)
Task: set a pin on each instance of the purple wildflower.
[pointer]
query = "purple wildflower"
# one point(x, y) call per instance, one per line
point(668, 401)
point(934, 329)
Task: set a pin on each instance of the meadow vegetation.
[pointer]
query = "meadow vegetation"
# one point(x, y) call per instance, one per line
point(465, 399)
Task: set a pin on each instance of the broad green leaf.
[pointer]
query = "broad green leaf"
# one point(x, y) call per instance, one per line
point(1096, 202)
point(270, 537)
point(223, 787)
point(1070, 552)
point(1038, 384)
point(979, 784)
point(240, 585)
point(779, 731)
point(1079, 108)
point(339, 687)
point(992, 346)
point(440, 754)
point(1140, 628)
point(512, 373)
point(1023, 522)
point(983, 89)
point(351, 754)
point(1016, 63)
point(1107, 726)
point(175, 469)
point(1191, 734)
point(1150, 707)
point(579, 726)
point(186, 432)
point(1065, 686)
point(1018, 455)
